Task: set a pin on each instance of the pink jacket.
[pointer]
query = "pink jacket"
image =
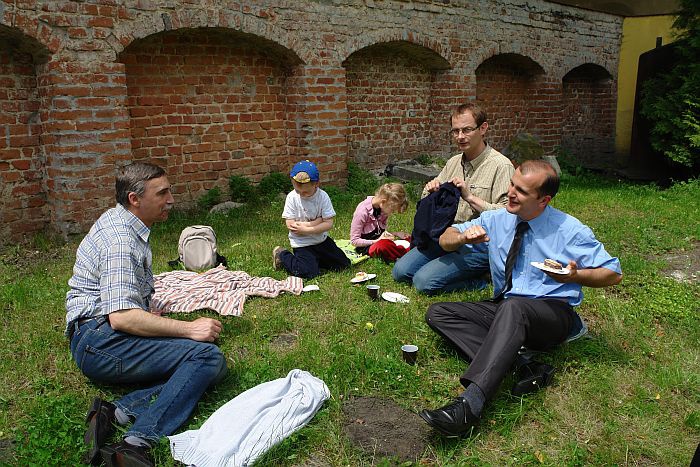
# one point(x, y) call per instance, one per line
point(363, 222)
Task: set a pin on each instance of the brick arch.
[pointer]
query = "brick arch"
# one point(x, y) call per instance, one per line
point(36, 37)
point(586, 62)
point(390, 93)
point(280, 40)
point(493, 51)
point(207, 103)
point(522, 62)
point(431, 52)
point(588, 118)
point(592, 70)
point(26, 43)
point(513, 89)
point(23, 193)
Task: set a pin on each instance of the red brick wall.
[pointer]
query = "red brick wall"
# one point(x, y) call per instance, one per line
point(317, 120)
point(84, 135)
point(507, 87)
point(23, 207)
point(206, 106)
point(209, 89)
point(389, 112)
point(588, 130)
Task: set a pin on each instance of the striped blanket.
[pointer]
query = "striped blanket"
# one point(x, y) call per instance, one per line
point(217, 289)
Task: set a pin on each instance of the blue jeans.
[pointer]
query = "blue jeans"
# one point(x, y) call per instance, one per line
point(177, 370)
point(432, 271)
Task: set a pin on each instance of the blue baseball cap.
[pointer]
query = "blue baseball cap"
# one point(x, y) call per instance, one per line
point(304, 172)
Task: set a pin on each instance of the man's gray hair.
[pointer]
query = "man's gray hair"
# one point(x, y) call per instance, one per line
point(133, 178)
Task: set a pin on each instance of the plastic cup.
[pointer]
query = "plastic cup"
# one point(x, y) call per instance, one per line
point(410, 353)
point(373, 292)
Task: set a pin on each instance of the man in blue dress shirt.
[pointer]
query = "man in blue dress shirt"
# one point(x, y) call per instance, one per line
point(531, 307)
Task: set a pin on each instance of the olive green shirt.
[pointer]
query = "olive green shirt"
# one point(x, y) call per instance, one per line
point(488, 177)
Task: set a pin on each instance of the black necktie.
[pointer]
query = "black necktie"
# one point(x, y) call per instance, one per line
point(512, 256)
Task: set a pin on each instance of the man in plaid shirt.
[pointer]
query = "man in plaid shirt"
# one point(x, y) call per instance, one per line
point(115, 339)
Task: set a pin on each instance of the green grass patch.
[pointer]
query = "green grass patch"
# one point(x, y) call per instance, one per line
point(627, 395)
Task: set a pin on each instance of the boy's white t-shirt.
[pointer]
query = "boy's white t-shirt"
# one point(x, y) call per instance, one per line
point(307, 209)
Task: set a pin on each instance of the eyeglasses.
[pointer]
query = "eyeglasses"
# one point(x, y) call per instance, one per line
point(466, 130)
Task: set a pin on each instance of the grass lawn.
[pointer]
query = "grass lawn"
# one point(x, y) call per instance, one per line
point(629, 395)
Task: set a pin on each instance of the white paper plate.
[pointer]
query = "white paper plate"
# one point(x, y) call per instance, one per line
point(310, 288)
point(395, 297)
point(365, 278)
point(541, 266)
point(403, 243)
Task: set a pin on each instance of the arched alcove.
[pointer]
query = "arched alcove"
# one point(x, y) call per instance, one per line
point(208, 103)
point(588, 127)
point(23, 193)
point(389, 97)
point(509, 86)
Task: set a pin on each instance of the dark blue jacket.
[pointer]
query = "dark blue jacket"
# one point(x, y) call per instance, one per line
point(434, 214)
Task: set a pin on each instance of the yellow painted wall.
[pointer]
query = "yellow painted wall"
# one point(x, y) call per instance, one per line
point(638, 36)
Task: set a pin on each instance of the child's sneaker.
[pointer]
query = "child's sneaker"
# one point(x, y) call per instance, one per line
point(276, 260)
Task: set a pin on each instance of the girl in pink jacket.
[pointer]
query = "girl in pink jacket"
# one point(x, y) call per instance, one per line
point(368, 232)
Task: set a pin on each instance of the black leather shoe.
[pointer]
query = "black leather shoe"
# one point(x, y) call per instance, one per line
point(124, 454)
point(453, 420)
point(532, 377)
point(100, 420)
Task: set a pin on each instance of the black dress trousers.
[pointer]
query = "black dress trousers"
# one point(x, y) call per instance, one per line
point(490, 333)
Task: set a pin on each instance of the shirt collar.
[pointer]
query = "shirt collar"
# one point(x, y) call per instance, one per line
point(538, 225)
point(134, 222)
point(478, 159)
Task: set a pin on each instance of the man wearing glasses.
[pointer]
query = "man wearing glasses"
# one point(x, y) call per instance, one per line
point(483, 176)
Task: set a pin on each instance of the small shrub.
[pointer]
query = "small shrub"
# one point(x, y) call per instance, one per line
point(427, 160)
point(424, 159)
point(568, 163)
point(361, 181)
point(524, 147)
point(274, 183)
point(240, 189)
point(210, 198)
point(339, 197)
point(414, 190)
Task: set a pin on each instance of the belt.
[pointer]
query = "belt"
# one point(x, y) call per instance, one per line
point(77, 323)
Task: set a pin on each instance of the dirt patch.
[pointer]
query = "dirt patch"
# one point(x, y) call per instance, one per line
point(284, 342)
point(381, 428)
point(240, 354)
point(315, 460)
point(7, 452)
point(26, 259)
point(683, 266)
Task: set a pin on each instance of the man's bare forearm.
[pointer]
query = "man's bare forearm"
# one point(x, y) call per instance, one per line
point(451, 239)
point(138, 322)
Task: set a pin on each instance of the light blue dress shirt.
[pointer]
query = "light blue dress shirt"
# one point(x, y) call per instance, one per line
point(553, 234)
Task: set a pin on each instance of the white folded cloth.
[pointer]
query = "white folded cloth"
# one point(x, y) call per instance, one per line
point(247, 426)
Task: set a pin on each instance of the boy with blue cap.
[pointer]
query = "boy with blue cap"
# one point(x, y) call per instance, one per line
point(308, 214)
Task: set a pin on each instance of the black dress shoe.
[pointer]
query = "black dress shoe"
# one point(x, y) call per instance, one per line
point(453, 420)
point(532, 377)
point(100, 420)
point(124, 454)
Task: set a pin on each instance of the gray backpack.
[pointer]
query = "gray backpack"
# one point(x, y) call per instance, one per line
point(197, 248)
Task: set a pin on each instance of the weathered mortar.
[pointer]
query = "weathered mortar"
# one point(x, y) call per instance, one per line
point(250, 87)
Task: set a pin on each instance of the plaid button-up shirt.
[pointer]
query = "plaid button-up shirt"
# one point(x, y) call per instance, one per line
point(112, 269)
point(488, 177)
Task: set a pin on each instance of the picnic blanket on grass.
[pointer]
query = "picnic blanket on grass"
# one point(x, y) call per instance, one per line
point(217, 289)
point(349, 250)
